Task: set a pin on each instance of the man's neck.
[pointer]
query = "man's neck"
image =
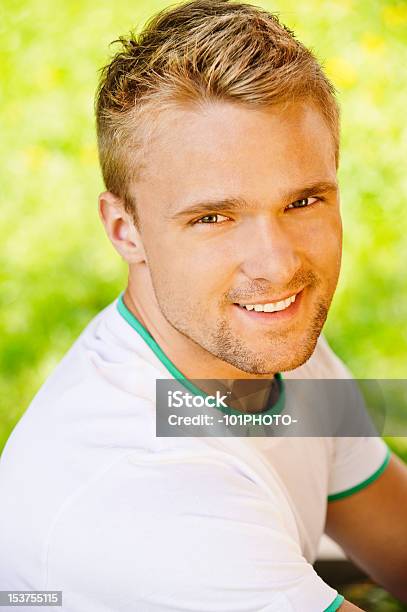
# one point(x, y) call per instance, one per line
point(249, 392)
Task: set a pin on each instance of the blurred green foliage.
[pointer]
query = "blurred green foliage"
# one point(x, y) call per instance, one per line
point(371, 598)
point(57, 268)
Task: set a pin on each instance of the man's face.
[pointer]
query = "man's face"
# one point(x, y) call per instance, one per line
point(272, 248)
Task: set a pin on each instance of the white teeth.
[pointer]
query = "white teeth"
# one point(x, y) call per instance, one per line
point(272, 306)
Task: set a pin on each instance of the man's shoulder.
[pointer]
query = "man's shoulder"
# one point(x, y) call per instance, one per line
point(80, 415)
point(81, 422)
point(93, 372)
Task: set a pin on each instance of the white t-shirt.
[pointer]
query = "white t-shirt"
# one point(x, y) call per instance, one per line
point(95, 505)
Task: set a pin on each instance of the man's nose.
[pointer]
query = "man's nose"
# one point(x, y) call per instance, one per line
point(269, 251)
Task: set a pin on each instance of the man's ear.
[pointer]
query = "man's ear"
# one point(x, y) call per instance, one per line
point(120, 228)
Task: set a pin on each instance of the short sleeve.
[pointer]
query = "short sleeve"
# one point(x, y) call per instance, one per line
point(357, 462)
point(187, 534)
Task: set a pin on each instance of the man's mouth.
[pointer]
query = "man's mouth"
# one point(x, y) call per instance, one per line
point(271, 306)
point(272, 310)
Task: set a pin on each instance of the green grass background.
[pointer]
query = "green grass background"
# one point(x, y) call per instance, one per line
point(57, 267)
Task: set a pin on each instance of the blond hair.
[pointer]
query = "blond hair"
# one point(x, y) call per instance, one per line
point(198, 51)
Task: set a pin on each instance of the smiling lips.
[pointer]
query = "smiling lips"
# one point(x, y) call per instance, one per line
point(270, 306)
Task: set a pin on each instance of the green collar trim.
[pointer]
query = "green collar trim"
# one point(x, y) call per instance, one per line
point(177, 374)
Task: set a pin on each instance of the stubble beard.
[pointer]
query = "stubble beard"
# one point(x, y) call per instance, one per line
point(281, 356)
point(224, 344)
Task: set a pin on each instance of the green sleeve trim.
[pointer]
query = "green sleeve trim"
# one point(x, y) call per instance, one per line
point(178, 375)
point(338, 601)
point(363, 484)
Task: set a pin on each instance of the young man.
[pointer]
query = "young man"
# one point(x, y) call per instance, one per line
point(219, 142)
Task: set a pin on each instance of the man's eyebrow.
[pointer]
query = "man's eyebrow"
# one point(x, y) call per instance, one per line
point(233, 203)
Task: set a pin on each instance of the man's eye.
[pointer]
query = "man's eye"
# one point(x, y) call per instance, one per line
point(202, 221)
point(303, 203)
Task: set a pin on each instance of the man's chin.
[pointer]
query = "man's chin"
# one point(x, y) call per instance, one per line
point(299, 355)
point(290, 357)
